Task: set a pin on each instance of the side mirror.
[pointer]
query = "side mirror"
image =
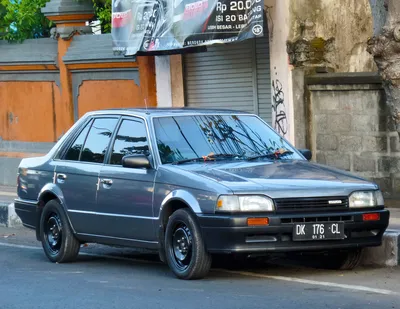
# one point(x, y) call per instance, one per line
point(306, 153)
point(136, 161)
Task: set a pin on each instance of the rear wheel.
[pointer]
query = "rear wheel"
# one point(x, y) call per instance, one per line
point(58, 240)
point(185, 251)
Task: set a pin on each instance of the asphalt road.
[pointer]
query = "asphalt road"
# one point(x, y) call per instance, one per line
point(106, 277)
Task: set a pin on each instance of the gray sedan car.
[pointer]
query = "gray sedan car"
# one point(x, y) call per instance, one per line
point(191, 184)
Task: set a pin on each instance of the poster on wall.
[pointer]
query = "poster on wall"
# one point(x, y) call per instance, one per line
point(145, 26)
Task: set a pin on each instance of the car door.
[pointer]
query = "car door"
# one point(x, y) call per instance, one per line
point(77, 172)
point(124, 202)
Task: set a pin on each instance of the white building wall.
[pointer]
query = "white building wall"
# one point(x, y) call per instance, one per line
point(163, 81)
point(277, 12)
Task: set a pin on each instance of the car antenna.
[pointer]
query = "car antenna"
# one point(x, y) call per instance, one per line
point(145, 103)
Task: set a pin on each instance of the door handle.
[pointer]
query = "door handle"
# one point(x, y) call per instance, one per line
point(107, 182)
point(61, 176)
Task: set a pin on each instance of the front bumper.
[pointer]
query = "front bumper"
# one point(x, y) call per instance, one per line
point(231, 234)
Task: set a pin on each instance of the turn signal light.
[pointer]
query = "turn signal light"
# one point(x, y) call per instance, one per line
point(371, 217)
point(257, 221)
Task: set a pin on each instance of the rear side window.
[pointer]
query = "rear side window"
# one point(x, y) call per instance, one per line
point(98, 140)
point(130, 139)
point(75, 150)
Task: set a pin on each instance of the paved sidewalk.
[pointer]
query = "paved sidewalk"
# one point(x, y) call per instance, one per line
point(7, 195)
point(6, 190)
point(394, 218)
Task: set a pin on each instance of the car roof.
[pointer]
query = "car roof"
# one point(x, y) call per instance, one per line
point(157, 112)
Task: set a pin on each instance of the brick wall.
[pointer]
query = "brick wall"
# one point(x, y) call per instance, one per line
point(350, 128)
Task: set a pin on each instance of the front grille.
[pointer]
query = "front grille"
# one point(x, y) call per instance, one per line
point(312, 204)
point(317, 219)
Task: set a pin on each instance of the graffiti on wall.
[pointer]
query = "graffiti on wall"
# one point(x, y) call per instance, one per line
point(280, 121)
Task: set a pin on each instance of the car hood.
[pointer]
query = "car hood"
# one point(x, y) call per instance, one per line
point(280, 179)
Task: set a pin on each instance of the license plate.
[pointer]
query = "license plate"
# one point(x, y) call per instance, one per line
point(318, 231)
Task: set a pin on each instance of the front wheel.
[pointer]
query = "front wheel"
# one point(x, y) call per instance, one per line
point(185, 250)
point(58, 240)
point(347, 260)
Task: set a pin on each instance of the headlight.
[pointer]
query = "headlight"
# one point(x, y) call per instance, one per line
point(364, 199)
point(245, 203)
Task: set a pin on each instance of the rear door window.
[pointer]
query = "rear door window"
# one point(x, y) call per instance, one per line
point(74, 151)
point(98, 140)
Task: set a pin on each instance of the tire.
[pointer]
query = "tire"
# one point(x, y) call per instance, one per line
point(58, 241)
point(348, 260)
point(185, 250)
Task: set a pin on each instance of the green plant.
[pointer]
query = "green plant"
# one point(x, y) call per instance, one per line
point(22, 19)
point(103, 14)
point(3, 12)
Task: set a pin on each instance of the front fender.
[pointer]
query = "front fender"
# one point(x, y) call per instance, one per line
point(182, 196)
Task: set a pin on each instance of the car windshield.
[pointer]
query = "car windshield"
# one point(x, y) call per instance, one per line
point(223, 137)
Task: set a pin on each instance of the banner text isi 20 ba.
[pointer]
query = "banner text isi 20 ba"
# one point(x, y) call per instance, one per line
point(165, 25)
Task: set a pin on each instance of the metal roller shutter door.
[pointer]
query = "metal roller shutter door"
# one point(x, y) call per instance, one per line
point(233, 76)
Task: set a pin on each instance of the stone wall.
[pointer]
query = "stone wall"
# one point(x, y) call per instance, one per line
point(349, 128)
point(327, 36)
point(331, 33)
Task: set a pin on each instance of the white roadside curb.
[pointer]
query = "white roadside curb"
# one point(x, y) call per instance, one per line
point(8, 217)
point(387, 255)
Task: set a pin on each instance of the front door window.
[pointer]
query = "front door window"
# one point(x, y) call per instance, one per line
point(130, 139)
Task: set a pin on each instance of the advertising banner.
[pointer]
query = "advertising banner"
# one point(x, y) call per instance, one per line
point(169, 25)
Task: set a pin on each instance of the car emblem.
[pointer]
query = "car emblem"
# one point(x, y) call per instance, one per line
point(335, 202)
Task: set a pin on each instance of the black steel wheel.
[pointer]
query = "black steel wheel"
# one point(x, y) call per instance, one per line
point(58, 240)
point(184, 246)
point(347, 260)
point(333, 260)
point(53, 232)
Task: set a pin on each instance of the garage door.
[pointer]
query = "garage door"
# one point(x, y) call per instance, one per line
point(234, 76)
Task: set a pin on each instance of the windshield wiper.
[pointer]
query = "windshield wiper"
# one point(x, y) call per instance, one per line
point(271, 155)
point(210, 157)
point(224, 155)
point(188, 160)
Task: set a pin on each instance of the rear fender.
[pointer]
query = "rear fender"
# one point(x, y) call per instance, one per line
point(56, 191)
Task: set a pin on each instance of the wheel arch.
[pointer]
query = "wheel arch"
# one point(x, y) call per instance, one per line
point(48, 193)
point(175, 200)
